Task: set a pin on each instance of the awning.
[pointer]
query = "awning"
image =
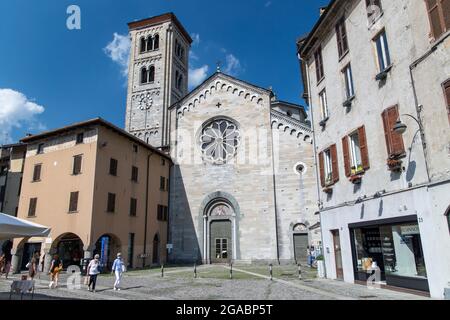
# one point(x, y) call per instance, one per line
point(11, 227)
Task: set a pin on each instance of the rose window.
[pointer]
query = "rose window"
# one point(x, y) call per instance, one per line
point(145, 101)
point(219, 141)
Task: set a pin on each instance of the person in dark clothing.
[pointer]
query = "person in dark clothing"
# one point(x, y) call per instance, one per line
point(7, 257)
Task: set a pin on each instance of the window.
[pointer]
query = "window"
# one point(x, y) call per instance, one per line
point(113, 167)
point(80, 138)
point(179, 50)
point(384, 59)
point(77, 160)
point(144, 77)
point(329, 170)
point(178, 80)
point(348, 78)
point(111, 206)
point(162, 183)
point(151, 74)
point(447, 97)
point(133, 207)
point(32, 207)
point(342, 41)
point(374, 10)
point(37, 172)
point(439, 16)
point(73, 203)
point(135, 148)
point(149, 43)
point(356, 156)
point(219, 141)
point(2, 193)
point(163, 161)
point(134, 174)
point(323, 104)
point(394, 141)
point(40, 148)
point(162, 213)
point(130, 250)
point(143, 45)
point(319, 64)
point(156, 42)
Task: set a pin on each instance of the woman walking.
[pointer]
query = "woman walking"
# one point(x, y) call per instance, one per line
point(118, 269)
point(55, 268)
point(93, 271)
point(33, 265)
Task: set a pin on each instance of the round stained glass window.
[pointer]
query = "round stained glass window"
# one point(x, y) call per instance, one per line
point(219, 141)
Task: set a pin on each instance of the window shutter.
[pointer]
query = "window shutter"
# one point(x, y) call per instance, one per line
point(77, 164)
point(398, 148)
point(73, 204)
point(447, 97)
point(322, 170)
point(363, 148)
point(32, 207)
point(435, 18)
point(37, 172)
point(445, 5)
point(346, 156)
point(334, 162)
point(387, 131)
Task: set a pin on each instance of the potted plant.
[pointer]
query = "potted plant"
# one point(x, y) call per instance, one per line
point(394, 165)
point(320, 266)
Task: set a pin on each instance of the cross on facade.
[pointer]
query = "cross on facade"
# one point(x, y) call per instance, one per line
point(218, 105)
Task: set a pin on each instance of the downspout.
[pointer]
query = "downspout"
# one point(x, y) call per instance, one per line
point(275, 194)
point(319, 202)
point(169, 238)
point(146, 207)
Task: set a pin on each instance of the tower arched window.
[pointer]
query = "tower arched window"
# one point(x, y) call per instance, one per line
point(156, 42)
point(151, 74)
point(143, 45)
point(149, 43)
point(144, 75)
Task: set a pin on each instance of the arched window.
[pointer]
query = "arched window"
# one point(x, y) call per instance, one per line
point(182, 53)
point(142, 45)
point(177, 76)
point(149, 43)
point(180, 82)
point(156, 42)
point(151, 74)
point(144, 75)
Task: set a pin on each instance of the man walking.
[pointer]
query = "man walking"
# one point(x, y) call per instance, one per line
point(118, 269)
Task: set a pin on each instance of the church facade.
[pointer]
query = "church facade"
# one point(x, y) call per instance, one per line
point(242, 187)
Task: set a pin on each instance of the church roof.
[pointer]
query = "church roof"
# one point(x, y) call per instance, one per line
point(216, 75)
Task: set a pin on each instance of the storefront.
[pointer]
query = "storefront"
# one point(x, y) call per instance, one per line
point(392, 245)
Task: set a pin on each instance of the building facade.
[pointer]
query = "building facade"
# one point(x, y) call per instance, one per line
point(376, 75)
point(242, 187)
point(100, 190)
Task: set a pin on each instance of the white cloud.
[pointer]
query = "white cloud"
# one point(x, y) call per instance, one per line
point(118, 50)
point(197, 76)
point(16, 110)
point(195, 39)
point(233, 65)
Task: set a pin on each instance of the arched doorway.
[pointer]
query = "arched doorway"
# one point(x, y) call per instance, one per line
point(107, 246)
point(69, 248)
point(301, 242)
point(155, 253)
point(220, 231)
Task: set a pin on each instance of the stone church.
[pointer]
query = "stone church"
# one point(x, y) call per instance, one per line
point(242, 186)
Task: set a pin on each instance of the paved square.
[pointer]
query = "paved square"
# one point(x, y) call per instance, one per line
point(212, 283)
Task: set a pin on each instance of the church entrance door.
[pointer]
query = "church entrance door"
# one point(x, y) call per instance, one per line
point(221, 241)
point(300, 247)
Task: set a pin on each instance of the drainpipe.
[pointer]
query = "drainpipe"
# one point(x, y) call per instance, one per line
point(169, 237)
point(319, 202)
point(146, 207)
point(275, 201)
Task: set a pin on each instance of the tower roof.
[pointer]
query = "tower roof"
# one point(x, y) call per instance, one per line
point(148, 22)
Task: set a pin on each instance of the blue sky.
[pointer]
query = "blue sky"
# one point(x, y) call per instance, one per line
point(51, 76)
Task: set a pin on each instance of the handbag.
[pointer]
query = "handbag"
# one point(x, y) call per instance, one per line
point(28, 265)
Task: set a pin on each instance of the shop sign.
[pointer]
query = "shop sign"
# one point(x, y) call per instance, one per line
point(409, 230)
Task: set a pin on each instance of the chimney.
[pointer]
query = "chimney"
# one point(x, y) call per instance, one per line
point(322, 10)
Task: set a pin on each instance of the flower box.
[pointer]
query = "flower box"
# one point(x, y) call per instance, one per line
point(328, 190)
point(355, 179)
point(394, 165)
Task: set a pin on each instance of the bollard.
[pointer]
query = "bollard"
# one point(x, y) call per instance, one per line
point(271, 272)
point(195, 271)
point(299, 271)
point(231, 270)
point(162, 271)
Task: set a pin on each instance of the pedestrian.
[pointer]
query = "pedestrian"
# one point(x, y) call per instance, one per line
point(33, 265)
point(7, 257)
point(118, 269)
point(55, 268)
point(93, 271)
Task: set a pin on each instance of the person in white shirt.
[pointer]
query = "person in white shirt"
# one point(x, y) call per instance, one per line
point(93, 271)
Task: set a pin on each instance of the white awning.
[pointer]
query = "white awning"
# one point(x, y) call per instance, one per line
point(11, 227)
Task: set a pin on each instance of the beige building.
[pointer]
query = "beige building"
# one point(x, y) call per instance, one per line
point(100, 189)
point(376, 77)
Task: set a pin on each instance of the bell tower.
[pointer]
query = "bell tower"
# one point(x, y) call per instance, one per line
point(157, 76)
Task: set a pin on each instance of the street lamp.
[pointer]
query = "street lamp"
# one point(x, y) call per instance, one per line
point(400, 127)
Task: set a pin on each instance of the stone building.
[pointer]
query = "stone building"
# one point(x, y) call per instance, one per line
point(100, 190)
point(242, 184)
point(376, 77)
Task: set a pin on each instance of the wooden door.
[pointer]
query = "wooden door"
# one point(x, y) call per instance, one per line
point(338, 255)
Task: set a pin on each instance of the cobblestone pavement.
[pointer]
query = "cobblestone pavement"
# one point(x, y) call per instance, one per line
point(212, 283)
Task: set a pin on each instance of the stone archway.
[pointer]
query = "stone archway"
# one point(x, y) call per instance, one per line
point(300, 242)
point(107, 246)
point(219, 225)
point(69, 248)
